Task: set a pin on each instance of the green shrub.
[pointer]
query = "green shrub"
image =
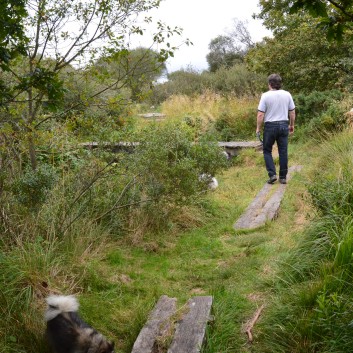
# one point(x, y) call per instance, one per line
point(236, 81)
point(237, 124)
point(167, 166)
point(32, 187)
point(310, 106)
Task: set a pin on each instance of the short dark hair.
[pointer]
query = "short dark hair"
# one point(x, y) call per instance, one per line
point(275, 81)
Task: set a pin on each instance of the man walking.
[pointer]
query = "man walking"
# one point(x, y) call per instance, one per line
point(277, 110)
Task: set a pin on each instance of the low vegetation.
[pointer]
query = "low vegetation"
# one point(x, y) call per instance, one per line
point(135, 226)
point(120, 228)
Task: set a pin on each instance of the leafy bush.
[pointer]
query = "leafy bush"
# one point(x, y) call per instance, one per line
point(167, 165)
point(236, 81)
point(170, 163)
point(310, 106)
point(32, 187)
point(236, 124)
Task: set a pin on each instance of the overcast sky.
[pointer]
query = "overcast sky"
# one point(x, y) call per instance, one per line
point(202, 21)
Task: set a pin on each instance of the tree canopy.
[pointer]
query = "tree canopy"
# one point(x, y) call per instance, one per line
point(335, 17)
point(65, 34)
point(229, 49)
point(304, 57)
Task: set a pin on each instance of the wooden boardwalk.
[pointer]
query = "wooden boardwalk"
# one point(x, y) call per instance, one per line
point(157, 326)
point(232, 147)
point(265, 206)
point(179, 332)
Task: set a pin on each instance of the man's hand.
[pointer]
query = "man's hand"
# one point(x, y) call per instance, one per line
point(291, 121)
point(259, 121)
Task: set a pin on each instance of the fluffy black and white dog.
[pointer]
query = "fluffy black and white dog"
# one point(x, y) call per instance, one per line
point(66, 331)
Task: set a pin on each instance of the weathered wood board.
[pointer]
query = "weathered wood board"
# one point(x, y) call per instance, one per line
point(264, 208)
point(234, 147)
point(157, 324)
point(152, 115)
point(191, 330)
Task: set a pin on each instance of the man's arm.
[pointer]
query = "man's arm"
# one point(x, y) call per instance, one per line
point(291, 121)
point(260, 120)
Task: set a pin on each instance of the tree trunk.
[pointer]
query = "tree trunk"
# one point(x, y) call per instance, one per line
point(32, 152)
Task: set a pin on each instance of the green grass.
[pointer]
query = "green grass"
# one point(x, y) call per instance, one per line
point(118, 281)
point(236, 268)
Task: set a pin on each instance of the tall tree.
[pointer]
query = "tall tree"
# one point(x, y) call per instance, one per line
point(71, 32)
point(230, 49)
point(223, 53)
point(304, 57)
point(140, 67)
point(335, 17)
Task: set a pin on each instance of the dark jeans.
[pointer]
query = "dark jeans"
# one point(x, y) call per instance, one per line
point(276, 132)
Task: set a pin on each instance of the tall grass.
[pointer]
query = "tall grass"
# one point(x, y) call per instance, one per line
point(313, 307)
point(234, 118)
point(56, 226)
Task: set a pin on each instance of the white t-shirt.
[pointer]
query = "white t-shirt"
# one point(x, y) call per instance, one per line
point(276, 104)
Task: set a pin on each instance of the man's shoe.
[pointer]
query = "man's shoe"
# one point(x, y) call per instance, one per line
point(272, 179)
point(283, 181)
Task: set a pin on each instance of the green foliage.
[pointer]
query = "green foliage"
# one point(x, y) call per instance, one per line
point(169, 162)
point(223, 53)
point(32, 187)
point(237, 124)
point(320, 113)
point(139, 67)
point(47, 83)
point(304, 58)
point(314, 104)
point(12, 34)
point(26, 270)
point(186, 82)
point(42, 80)
point(335, 16)
point(235, 81)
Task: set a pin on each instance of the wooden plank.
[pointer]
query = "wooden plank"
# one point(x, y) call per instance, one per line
point(254, 209)
point(191, 329)
point(114, 147)
point(157, 324)
point(152, 115)
point(240, 144)
point(262, 208)
point(234, 147)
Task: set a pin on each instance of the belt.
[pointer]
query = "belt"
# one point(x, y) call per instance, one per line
point(279, 122)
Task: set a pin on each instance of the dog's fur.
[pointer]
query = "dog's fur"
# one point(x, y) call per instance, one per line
point(66, 331)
